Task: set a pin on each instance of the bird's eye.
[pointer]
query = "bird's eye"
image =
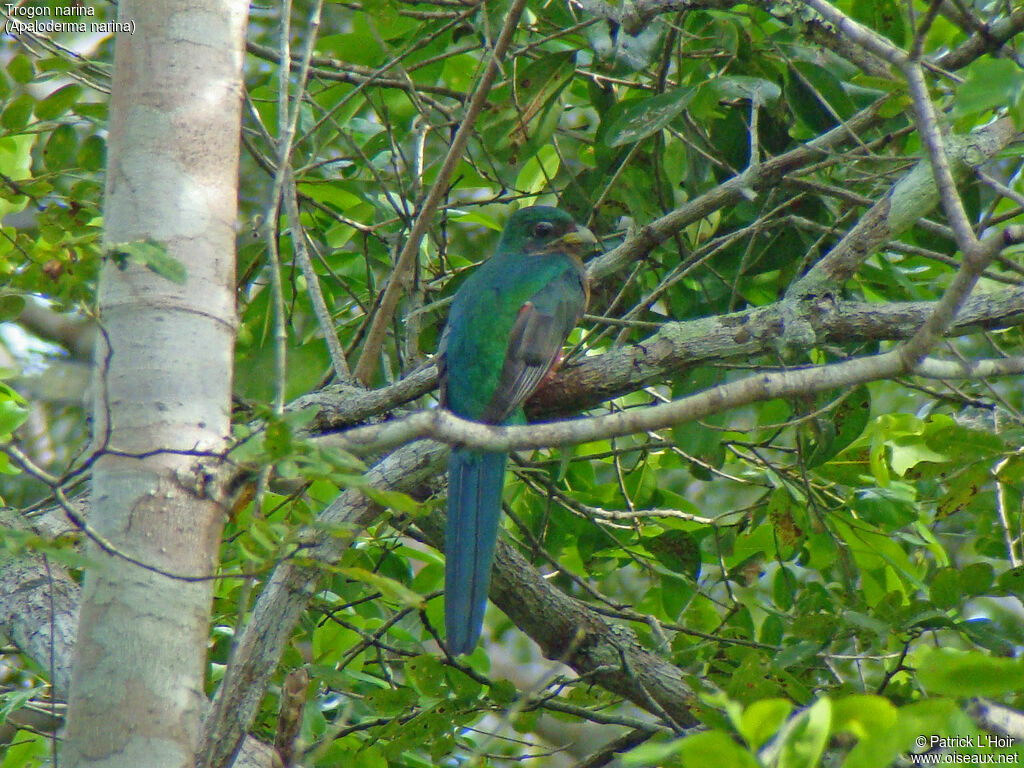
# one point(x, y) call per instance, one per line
point(543, 229)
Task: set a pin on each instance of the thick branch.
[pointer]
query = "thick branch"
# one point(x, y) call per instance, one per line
point(75, 333)
point(567, 630)
point(39, 606)
point(443, 425)
point(911, 198)
point(993, 37)
point(678, 346)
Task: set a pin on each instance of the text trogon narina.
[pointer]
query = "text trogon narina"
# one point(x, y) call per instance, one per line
point(505, 331)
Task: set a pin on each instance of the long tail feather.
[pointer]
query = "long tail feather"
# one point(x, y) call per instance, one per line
point(475, 482)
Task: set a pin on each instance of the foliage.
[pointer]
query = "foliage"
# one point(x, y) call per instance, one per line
point(835, 574)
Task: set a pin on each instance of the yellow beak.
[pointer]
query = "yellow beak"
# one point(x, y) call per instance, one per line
point(579, 239)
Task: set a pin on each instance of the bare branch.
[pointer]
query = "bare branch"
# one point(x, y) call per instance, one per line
point(765, 175)
point(911, 198)
point(863, 36)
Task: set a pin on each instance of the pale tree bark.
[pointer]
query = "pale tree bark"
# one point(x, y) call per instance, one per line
point(161, 419)
point(163, 387)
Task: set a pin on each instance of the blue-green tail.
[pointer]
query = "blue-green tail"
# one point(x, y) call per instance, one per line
point(475, 482)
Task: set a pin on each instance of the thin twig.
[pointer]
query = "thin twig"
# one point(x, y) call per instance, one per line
point(287, 120)
point(368, 361)
point(316, 296)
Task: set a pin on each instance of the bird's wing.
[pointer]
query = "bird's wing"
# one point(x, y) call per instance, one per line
point(540, 330)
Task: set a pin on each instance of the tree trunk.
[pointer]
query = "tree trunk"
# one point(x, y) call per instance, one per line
point(162, 411)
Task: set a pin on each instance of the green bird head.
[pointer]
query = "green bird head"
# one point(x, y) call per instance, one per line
point(541, 229)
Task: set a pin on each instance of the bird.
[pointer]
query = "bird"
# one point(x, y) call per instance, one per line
point(505, 331)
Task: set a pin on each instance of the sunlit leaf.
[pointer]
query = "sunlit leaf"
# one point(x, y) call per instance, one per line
point(968, 673)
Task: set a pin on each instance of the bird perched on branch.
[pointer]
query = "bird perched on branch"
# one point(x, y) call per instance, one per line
point(505, 332)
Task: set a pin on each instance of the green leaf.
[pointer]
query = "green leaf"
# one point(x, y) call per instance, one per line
point(714, 748)
point(756, 89)
point(889, 508)
point(92, 154)
point(977, 578)
point(502, 692)
point(907, 454)
point(880, 745)
point(762, 719)
point(16, 163)
point(817, 97)
point(676, 550)
point(700, 441)
point(58, 102)
point(60, 148)
point(277, 438)
point(795, 654)
point(847, 422)
point(386, 13)
point(25, 749)
point(990, 636)
point(355, 47)
point(710, 748)
point(538, 171)
point(784, 588)
point(803, 742)
point(15, 700)
point(150, 254)
point(862, 715)
point(11, 306)
point(16, 114)
point(966, 674)
point(990, 84)
point(1011, 582)
point(946, 590)
point(637, 119)
point(884, 16)
point(788, 516)
point(391, 589)
point(426, 674)
point(20, 69)
point(392, 701)
point(396, 500)
point(527, 108)
point(368, 756)
point(12, 416)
